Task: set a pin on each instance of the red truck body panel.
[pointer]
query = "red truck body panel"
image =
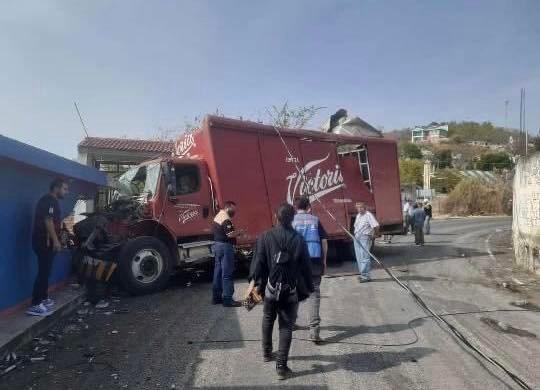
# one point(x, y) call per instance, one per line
point(248, 164)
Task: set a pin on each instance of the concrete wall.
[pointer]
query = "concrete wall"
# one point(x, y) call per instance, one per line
point(526, 223)
point(21, 188)
point(25, 175)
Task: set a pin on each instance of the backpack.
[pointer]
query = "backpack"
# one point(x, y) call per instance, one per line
point(282, 278)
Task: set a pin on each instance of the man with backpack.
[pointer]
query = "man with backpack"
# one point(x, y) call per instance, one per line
point(281, 271)
point(310, 228)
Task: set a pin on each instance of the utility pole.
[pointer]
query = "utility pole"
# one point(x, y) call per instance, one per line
point(506, 115)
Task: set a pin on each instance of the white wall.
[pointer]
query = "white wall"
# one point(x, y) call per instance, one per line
point(526, 219)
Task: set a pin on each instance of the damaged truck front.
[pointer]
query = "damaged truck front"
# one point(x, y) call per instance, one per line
point(135, 237)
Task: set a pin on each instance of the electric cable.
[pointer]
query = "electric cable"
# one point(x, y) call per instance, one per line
point(441, 320)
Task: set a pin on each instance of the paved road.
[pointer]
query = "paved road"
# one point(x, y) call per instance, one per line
point(377, 337)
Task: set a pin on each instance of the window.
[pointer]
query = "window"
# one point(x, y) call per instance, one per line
point(187, 179)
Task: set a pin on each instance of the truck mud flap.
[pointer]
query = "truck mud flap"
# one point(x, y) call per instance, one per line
point(96, 269)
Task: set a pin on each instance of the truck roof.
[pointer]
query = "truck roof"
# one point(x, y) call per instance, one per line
point(248, 126)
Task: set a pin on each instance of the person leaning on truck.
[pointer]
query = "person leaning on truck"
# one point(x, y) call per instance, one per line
point(45, 243)
point(366, 228)
point(224, 240)
point(310, 228)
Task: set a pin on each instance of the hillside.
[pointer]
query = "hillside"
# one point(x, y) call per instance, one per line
point(464, 131)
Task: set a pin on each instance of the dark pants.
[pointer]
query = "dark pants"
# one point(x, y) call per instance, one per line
point(314, 300)
point(45, 258)
point(286, 312)
point(223, 285)
point(419, 234)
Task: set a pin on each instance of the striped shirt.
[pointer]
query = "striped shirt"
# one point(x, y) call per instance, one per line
point(364, 224)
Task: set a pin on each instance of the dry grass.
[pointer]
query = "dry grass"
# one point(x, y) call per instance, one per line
point(475, 197)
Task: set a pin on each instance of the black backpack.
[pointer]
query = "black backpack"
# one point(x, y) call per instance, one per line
point(282, 278)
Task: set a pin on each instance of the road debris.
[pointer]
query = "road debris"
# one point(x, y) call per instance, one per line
point(9, 369)
point(506, 328)
point(102, 304)
point(114, 332)
point(82, 312)
point(37, 359)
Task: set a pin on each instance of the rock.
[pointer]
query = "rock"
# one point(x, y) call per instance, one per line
point(114, 332)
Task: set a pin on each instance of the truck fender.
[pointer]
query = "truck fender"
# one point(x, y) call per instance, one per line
point(152, 228)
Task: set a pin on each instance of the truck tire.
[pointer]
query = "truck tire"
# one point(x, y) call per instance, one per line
point(144, 265)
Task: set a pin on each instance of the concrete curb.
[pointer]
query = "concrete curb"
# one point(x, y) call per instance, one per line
point(26, 335)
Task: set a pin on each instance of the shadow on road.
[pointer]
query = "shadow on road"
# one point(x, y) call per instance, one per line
point(347, 332)
point(362, 361)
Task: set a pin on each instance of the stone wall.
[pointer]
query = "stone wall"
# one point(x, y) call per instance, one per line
point(526, 216)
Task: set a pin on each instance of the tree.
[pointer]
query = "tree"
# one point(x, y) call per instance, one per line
point(494, 160)
point(292, 118)
point(537, 143)
point(409, 150)
point(445, 180)
point(443, 158)
point(411, 171)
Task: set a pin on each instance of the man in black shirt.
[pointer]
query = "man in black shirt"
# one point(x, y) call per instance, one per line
point(429, 216)
point(46, 242)
point(282, 302)
point(225, 238)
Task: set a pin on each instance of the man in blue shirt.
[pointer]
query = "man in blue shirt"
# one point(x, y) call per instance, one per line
point(315, 236)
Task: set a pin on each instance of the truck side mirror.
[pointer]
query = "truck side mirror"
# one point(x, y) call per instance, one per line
point(170, 178)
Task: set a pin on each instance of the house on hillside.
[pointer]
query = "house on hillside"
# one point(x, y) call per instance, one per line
point(432, 133)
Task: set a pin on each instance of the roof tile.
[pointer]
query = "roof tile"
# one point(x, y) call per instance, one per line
point(126, 144)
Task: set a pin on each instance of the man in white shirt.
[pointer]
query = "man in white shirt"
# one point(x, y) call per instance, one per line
point(366, 228)
point(406, 219)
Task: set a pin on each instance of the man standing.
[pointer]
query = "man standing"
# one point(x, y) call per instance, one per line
point(410, 213)
point(429, 215)
point(225, 238)
point(419, 218)
point(310, 228)
point(281, 269)
point(45, 243)
point(406, 218)
point(366, 228)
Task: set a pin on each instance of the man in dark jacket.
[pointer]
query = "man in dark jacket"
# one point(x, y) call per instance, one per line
point(272, 245)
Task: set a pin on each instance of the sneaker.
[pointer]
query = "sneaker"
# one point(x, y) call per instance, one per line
point(363, 279)
point(232, 303)
point(48, 303)
point(38, 310)
point(315, 338)
point(268, 357)
point(283, 372)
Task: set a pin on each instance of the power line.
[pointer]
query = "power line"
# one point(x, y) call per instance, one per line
point(81, 119)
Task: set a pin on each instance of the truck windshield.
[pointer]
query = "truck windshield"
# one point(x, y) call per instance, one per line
point(140, 180)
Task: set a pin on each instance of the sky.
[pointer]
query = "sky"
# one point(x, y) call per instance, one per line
point(134, 67)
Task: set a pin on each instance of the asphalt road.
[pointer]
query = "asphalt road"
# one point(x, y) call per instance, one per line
point(376, 336)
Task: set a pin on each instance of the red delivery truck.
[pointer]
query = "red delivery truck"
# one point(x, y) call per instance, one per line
point(162, 219)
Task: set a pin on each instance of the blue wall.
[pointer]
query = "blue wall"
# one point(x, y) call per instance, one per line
point(21, 186)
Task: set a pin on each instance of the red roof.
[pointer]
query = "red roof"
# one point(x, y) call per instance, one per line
point(138, 145)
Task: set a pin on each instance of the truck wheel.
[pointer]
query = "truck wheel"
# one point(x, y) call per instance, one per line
point(144, 265)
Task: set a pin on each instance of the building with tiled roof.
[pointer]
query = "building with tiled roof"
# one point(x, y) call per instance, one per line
point(116, 155)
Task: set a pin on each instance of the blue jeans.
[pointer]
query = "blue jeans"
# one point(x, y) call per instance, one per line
point(223, 285)
point(362, 256)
